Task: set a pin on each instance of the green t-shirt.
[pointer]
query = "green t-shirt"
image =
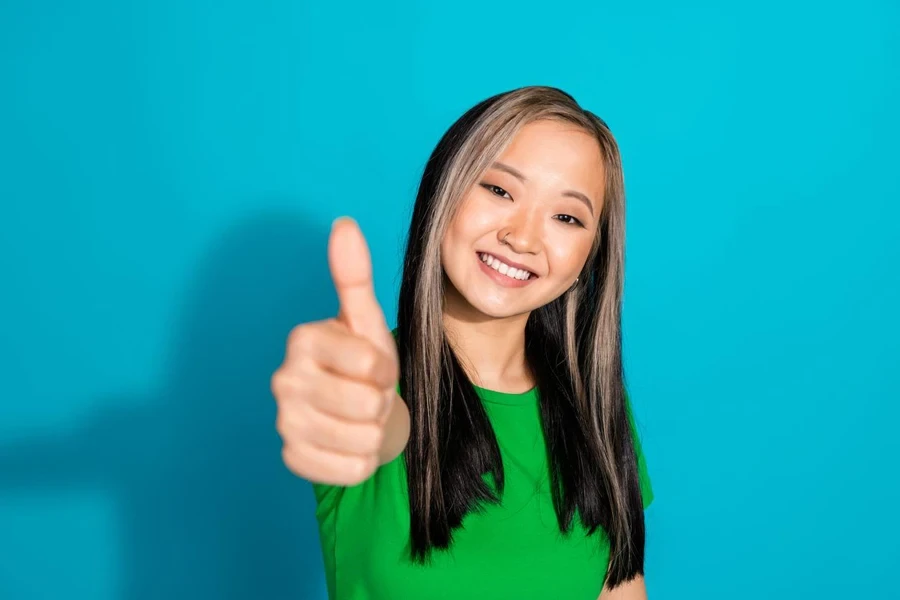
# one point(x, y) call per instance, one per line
point(512, 550)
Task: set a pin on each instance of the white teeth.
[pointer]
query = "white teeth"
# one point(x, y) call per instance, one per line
point(504, 269)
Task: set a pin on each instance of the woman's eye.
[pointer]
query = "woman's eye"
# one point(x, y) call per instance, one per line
point(496, 190)
point(573, 220)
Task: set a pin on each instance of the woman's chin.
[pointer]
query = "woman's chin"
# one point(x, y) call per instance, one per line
point(498, 310)
point(493, 306)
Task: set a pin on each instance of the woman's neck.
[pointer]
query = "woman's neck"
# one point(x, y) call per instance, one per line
point(491, 350)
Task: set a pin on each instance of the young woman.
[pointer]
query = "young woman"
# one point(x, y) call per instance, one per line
point(485, 448)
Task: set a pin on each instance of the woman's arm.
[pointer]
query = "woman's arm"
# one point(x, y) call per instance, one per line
point(633, 590)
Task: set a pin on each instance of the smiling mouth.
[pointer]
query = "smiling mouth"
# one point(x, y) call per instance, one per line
point(498, 265)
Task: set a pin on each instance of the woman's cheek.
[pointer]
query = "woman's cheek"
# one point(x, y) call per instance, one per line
point(483, 213)
point(565, 257)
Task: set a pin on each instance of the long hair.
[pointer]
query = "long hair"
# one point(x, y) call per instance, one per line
point(573, 347)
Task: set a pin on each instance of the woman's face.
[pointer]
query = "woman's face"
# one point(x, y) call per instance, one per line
point(544, 194)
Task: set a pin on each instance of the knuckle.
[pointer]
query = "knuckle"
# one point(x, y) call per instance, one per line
point(279, 384)
point(295, 335)
point(301, 339)
point(370, 363)
point(290, 387)
point(275, 383)
point(291, 428)
point(361, 468)
point(293, 461)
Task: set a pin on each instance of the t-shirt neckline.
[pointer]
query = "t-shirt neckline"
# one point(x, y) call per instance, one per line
point(509, 398)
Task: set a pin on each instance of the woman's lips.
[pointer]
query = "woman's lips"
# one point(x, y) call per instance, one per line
point(500, 278)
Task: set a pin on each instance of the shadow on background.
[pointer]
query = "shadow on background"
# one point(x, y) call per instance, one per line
point(208, 509)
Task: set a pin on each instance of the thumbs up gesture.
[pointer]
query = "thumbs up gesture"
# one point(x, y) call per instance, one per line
point(339, 415)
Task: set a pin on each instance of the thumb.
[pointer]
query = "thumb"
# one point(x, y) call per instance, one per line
point(351, 271)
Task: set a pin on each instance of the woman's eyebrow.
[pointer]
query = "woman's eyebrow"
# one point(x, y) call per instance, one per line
point(570, 193)
point(582, 197)
point(504, 167)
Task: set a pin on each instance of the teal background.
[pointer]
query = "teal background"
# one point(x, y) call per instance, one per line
point(168, 174)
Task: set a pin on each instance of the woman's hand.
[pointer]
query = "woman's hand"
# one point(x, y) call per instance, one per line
point(339, 415)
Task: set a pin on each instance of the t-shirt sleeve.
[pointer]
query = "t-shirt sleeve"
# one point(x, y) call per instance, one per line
point(326, 496)
point(643, 474)
point(327, 499)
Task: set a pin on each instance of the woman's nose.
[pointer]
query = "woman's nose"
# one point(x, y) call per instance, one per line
point(523, 233)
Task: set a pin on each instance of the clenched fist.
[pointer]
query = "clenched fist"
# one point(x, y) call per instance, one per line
point(339, 415)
